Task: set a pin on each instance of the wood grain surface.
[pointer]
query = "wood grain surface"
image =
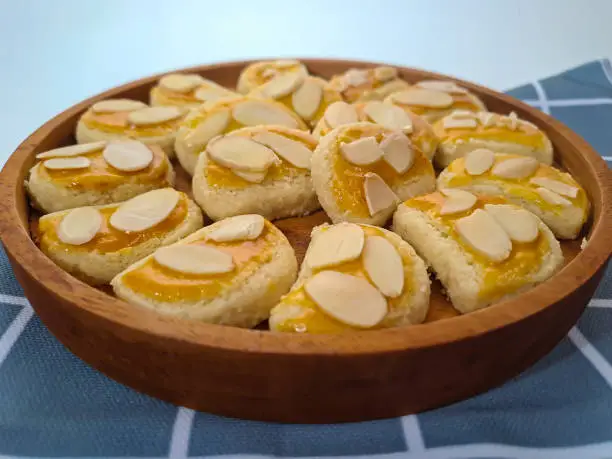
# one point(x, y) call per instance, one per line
point(257, 374)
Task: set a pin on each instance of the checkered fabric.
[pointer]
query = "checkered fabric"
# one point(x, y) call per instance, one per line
point(54, 405)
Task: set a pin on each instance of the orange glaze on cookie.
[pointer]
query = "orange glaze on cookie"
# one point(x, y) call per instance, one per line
point(117, 123)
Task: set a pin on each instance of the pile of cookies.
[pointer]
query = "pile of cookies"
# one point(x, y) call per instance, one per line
point(471, 197)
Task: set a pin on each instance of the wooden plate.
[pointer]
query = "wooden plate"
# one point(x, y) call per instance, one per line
point(257, 374)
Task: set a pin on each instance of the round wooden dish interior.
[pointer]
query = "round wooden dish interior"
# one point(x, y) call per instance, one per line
point(257, 374)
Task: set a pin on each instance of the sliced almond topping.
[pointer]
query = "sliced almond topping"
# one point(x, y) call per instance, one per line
point(384, 266)
point(117, 105)
point(423, 98)
point(340, 113)
point(241, 153)
point(212, 93)
point(397, 151)
point(307, 99)
point(482, 232)
point(362, 152)
point(72, 150)
point(128, 155)
point(450, 122)
point(251, 177)
point(194, 259)
point(457, 201)
point(515, 168)
point(335, 245)
point(443, 86)
point(154, 115)
point(378, 195)
point(282, 84)
point(478, 161)
point(356, 77)
point(553, 198)
point(269, 72)
point(388, 115)
point(487, 119)
point(71, 162)
point(180, 82)
point(213, 125)
point(240, 228)
point(385, 73)
point(79, 226)
point(349, 299)
point(286, 63)
point(292, 151)
point(555, 185)
point(257, 112)
point(518, 223)
point(145, 211)
point(513, 121)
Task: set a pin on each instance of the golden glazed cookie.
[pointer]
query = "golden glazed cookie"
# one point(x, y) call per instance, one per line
point(186, 90)
point(359, 85)
point(354, 277)
point(387, 115)
point(361, 171)
point(259, 73)
point(482, 249)
point(554, 196)
point(230, 273)
point(224, 116)
point(95, 243)
point(308, 96)
point(257, 170)
point(435, 99)
point(96, 173)
point(130, 119)
point(462, 132)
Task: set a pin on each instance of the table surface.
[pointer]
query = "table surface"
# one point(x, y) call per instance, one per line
point(55, 53)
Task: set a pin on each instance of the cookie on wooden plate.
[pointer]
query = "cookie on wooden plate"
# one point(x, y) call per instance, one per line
point(187, 90)
point(376, 83)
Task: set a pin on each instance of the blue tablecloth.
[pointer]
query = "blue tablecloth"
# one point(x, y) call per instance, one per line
point(54, 405)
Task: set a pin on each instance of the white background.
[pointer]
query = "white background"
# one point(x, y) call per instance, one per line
point(54, 53)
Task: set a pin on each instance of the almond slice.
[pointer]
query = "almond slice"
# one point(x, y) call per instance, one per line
point(292, 151)
point(385, 73)
point(482, 233)
point(553, 198)
point(180, 82)
point(241, 153)
point(285, 63)
point(384, 266)
point(513, 121)
point(128, 155)
point(307, 99)
point(117, 105)
point(515, 168)
point(154, 115)
point(212, 93)
point(518, 223)
point(71, 162)
point(251, 177)
point(398, 152)
point(282, 84)
point(423, 98)
point(349, 299)
point(555, 185)
point(145, 211)
point(362, 152)
point(213, 125)
point(443, 86)
point(478, 161)
point(79, 226)
point(377, 193)
point(240, 228)
point(486, 119)
point(457, 201)
point(335, 245)
point(388, 115)
point(72, 150)
point(450, 122)
point(257, 112)
point(194, 259)
point(356, 77)
point(340, 113)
